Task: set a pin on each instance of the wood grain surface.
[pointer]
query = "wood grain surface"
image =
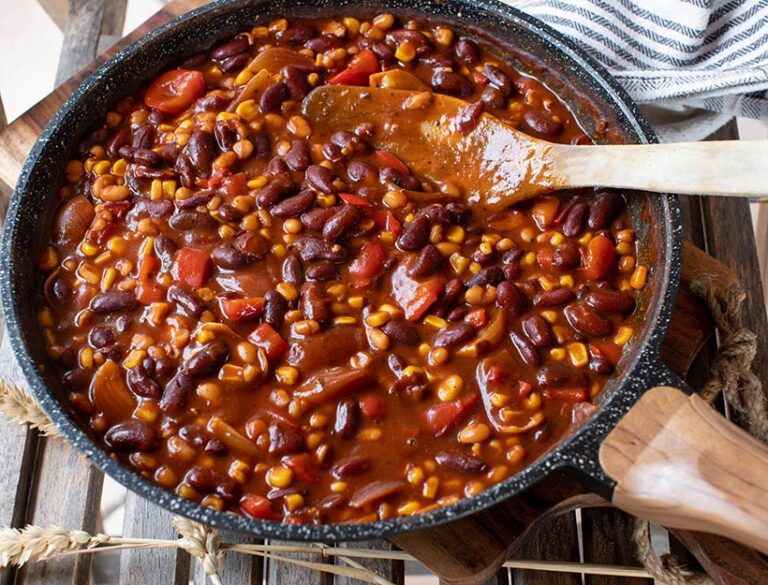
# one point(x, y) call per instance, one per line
point(676, 461)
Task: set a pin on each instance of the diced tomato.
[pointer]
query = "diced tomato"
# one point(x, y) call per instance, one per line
point(566, 394)
point(606, 349)
point(505, 221)
point(478, 318)
point(235, 185)
point(192, 267)
point(148, 290)
point(479, 79)
point(359, 70)
point(544, 211)
point(545, 257)
point(302, 466)
point(356, 200)
point(599, 258)
point(383, 158)
point(174, 91)
point(524, 388)
point(392, 224)
point(216, 181)
point(368, 263)
point(241, 309)
point(413, 296)
point(265, 337)
point(373, 405)
point(442, 417)
point(496, 374)
point(118, 209)
point(257, 507)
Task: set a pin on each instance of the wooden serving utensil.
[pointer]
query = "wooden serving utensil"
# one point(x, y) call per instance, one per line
point(443, 139)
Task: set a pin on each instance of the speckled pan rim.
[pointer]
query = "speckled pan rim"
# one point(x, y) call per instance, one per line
point(578, 452)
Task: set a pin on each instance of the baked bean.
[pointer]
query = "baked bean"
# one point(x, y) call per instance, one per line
point(131, 436)
point(587, 321)
point(113, 301)
point(461, 462)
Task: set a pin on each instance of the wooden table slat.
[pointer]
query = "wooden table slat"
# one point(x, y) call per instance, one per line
point(607, 538)
point(278, 573)
point(239, 568)
point(391, 570)
point(81, 37)
point(555, 540)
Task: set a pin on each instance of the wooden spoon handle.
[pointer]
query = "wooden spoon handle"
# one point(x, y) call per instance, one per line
point(727, 167)
point(677, 462)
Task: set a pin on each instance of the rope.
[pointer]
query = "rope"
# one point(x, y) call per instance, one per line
point(731, 374)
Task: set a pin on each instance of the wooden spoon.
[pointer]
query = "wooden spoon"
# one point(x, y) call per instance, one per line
point(497, 165)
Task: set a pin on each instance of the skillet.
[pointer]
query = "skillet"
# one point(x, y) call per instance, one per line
point(528, 45)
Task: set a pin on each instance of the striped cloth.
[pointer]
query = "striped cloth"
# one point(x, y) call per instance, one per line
point(679, 54)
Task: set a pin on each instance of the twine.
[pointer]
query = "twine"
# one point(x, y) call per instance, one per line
point(731, 374)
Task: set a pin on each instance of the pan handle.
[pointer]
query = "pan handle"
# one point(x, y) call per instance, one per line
point(676, 461)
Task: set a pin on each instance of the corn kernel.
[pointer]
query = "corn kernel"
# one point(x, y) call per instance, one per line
point(89, 249)
point(405, 52)
point(533, 402)
point(638, 278)
point(288, 291)
point(459, 263)
point(378, 339)
point(85, 357)
point(279, 476)
point(287, 375)
point(257, 183)
point(148, 412)
point(102, 167)
point(209, 391)
point(424, 349)
point(566, 281)
point(444, 36)
point(578, 354)
point(134, 358)
point(585, 239)
point(108, 278)
point(355, 302)
point(415, 475)
point(408, 508)
point(429, 489)
point(474, 295)
point(230, 373)
point(89, 273)
point(338, 487)
point(293, 501)
point(395, 199)
point(436, 322)
point(345, 320)
point(455, 234)
point(384, 21)
point(529, 259)
point(548, 283)
point(369, 434)
point(626, 264)
point(558, 354)
point(515, 454)
point(450, 388)
point(49, 259)
point(377, 319)
point(623, 335)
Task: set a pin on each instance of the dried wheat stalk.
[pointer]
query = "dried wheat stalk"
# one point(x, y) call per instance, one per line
point(21, 408)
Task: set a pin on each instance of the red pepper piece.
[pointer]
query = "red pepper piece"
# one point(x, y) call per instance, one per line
point(359, 70)
point(368, 263)
point(192, 267)
point(174, 91)
point(413, 296)
point(269, 340)
point(566, 394)
point(441, 418)
point(373, 406)
point(599, 258)
point(148, 290)
point(241, 309)
point(302, 466)
point(257, 507)
point(383, 158)
point(356, 200)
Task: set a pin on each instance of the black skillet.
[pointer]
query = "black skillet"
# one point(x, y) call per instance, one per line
point(592, 94)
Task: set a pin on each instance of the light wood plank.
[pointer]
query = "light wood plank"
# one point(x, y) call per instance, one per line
point(239, 569)
point(555, 540)
point(81, 36)
point(391, 570)
point(57, 10)
point(151, 566)
point(278, 573)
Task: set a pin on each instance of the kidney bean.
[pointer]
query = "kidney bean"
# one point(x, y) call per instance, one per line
point(383, 51)
point(461, 462)
point(508, 295)
point(603, 209)
point(191, 220)
point(323, 43)
point(358, 170)
point(141, 156)
point(374, 492)
point(314, 302)
point(131, 436)
point(566, 255)
point(401, 332)
point(453, 290)
point(208, 359)
point(283, 440)
point(101, 336)
point(144, 137)
point(610, 301)
point(322, 271)
point(235, 63)
point(553, 298)
point(165, 250)
point(437, 214)
point(76, 379)
point(297, 33)
point(467, 51)
point(191, 304)
point(414, 37)
point(390, 175)
point(542, 123)
point(491, 275)
point(332, 152)
point(512, 256)
point(585, 320)
point(296, 80)
point(216, 447)
point(600, 365)
point(237, 45)
point(558, 375)
point(195, 200)
point(573, 224)
point(185, 170)
point(445, 81)
point(320, 178)
point(538, 331)
point(141, 384)
point(119, 139)
point(315, 218)
point(213, 102)
point(297, 158)
point(229, 213)
point(457, 314)
point(292, 270)
point(164, 370)
point(207, 480)
point(98, 136)
point(293, 206)
point(252, 244)
point(492, 97)
point(200, 151)
point(261, 145)
point(277, 189)
point(275, 308)
point(426, 263)
point(316, 249)
point(341, 222)
point(273, 97)
point(230, 257)
point(436, 60)
point(226, 134)
point(460, 212)
point(112, 301)
point(415, 234)
point(347, 418)
point(276, 167)
point(468, 117)
point(351, 466)
point(528, 352)
point(453, 335)
point(350, 142)
point(498, 79)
